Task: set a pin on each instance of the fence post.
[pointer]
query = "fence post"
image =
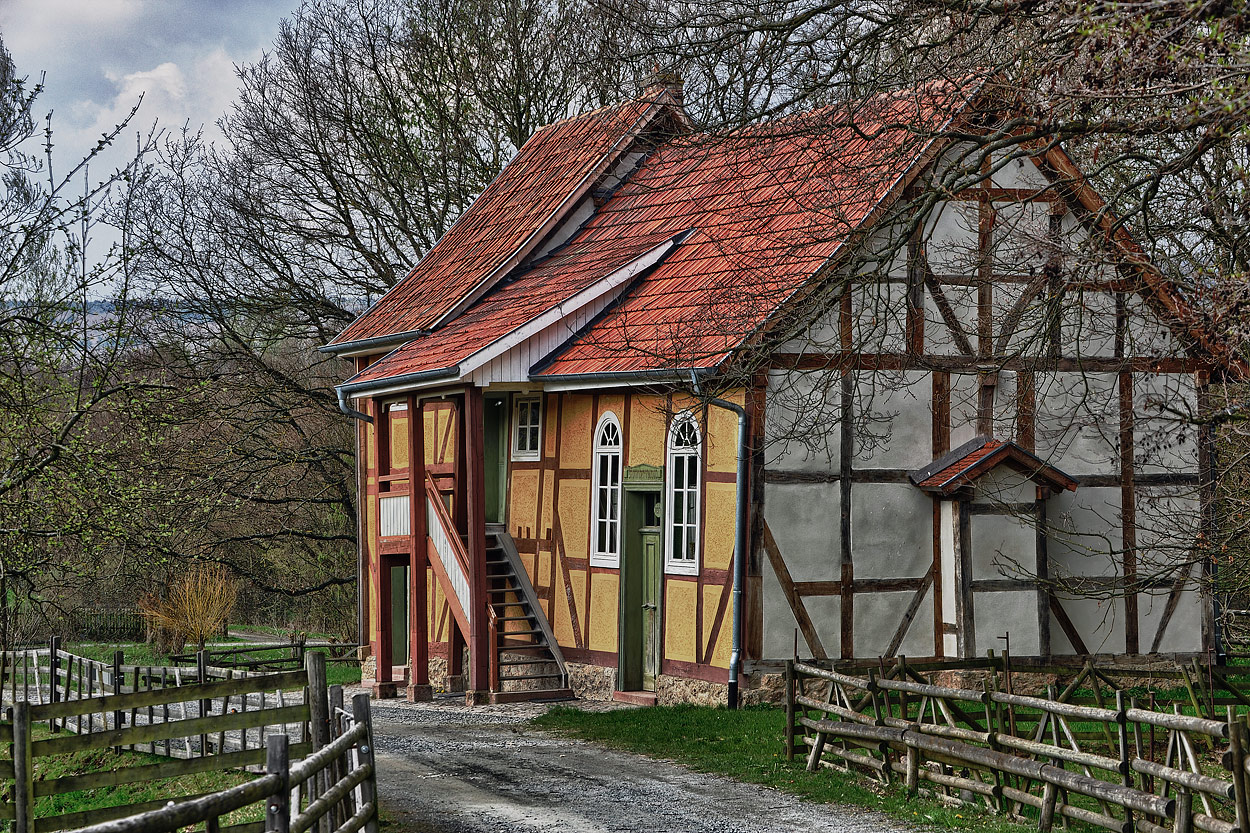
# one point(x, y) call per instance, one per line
point(1237, 744)
point(318, 723)
point(23, 770)
point(1121, 728)
point(118, 684)
point(790, 692)
point(201, 670)
point(318, 702)
point(1050, 795)
point(368, 787)
point(278, 762)
point(1184, 821)
point(913, 767)
point(54, 666)
point(339, 767)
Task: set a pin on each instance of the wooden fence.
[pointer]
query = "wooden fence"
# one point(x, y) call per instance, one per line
point(276, 657)
point(211, 719)
point(1116, 764)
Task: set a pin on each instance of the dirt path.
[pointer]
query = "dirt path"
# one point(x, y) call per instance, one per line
point(446, 768)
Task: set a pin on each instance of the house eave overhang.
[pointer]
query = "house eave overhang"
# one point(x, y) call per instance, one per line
point(620, 378)
point(366, 346)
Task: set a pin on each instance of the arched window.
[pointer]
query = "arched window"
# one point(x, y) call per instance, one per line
point(682, 507)
point(605, 509)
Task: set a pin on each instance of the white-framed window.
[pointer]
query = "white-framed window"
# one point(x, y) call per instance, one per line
point(681, 500)
point(527, 421)
point(605, 494)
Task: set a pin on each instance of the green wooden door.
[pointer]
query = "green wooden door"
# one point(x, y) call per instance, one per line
point(651, 572)
point(495, 430)
point(399, 615)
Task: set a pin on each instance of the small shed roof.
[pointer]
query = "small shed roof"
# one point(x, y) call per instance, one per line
point(964, 465)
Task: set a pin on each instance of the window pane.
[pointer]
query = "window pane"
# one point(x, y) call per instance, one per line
point(533, 446)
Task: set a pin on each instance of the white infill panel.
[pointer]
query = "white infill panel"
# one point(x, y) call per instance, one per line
point(447, 556)
point(947, 533)
point(393, 517)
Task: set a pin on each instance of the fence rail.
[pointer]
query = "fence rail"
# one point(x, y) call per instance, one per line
point(276, 657)
point(1113, 763)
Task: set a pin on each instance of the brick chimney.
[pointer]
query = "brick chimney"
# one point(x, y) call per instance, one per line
point(662, 80)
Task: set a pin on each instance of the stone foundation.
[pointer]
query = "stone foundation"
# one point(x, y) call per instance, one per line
point(591, 682)
point(763, 689)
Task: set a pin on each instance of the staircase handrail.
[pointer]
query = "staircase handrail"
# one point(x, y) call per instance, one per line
point(527, 588)
point(434, 500)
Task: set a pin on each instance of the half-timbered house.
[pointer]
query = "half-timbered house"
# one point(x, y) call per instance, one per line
point(662, 408)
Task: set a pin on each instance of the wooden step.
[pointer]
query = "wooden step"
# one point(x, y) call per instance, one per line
point(497, 697)
point(538, 661)
point(638, 698)
point(528, 647)
point(504, 677)
point(513, 619)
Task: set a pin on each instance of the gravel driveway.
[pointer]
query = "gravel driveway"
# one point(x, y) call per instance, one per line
point(443, 767)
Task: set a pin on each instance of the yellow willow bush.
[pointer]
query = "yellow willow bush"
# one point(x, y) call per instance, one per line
point(198, 604)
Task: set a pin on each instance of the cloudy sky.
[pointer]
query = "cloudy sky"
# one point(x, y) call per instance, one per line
point(100, 55)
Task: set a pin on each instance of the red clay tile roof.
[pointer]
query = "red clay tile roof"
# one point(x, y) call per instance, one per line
point(532, 188)
point(552, 282)
point(965, 464)
point(771, 205)
point(767, 206)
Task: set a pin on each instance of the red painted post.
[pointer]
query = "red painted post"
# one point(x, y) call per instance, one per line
point(475, 507)
point(383, 685)
point(418, 625)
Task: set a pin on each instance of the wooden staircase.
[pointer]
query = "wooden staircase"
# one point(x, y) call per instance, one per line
point(526, 663)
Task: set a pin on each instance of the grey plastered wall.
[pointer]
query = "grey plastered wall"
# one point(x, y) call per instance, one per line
point(1076, 428)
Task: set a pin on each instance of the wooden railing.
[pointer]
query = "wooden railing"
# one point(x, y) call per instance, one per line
point(450, 562)
point(1121, 767)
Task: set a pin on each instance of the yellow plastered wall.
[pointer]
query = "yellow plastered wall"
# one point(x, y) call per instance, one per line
point(547, 510)
point(575, 431)
point(371, 523)
point(724, 639)
point(720, 500)
point(523, 503)
point(679, 620)
point(647, 426)
point(575, 516)
point(721, 437)
point(604, 605)
point(399, 443)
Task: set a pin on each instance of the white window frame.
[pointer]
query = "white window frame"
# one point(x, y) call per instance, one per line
point(672, 562)
point(519, 453)
point(603, 450)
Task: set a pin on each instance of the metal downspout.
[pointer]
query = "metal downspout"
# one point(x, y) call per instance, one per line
point(740, 540)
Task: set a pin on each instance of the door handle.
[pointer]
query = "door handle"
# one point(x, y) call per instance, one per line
point(648, 606)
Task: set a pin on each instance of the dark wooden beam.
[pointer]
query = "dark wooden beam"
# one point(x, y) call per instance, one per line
point(801, 617)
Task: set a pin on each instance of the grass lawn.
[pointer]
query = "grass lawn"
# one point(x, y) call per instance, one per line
point(747, 745)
